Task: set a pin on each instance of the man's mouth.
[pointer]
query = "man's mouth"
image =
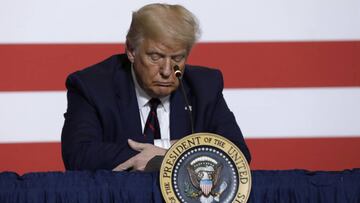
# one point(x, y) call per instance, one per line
point(164, 84)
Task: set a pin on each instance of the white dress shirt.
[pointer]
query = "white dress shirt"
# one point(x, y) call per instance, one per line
point(163, 113)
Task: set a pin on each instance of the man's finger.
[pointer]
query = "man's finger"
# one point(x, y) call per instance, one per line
point(126, 165)
point(138, 146)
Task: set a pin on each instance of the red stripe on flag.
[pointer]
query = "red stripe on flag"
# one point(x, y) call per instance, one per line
point(45, 66)
point(305, 153)
point(30, 157)
point(269, 154)
point(283, 64)
point(253, 64)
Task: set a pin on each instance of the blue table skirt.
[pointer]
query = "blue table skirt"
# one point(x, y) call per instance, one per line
point(107, 186)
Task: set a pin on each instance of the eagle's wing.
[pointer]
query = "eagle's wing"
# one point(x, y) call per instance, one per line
point(216, 176)
point(193, 177)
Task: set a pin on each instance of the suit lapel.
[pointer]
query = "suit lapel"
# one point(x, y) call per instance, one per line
point(127, 102)
point(179, 117)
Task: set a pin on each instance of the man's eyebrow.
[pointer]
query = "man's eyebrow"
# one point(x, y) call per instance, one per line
point(182, 53)
point(155, 52)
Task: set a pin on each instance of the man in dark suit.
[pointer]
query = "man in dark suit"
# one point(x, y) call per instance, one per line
point(109, 103)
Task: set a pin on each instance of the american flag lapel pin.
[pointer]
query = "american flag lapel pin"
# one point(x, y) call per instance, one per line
point(186, 108)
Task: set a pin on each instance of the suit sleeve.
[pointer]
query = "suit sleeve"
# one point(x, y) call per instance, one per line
point(224, 122)
point(83, 145)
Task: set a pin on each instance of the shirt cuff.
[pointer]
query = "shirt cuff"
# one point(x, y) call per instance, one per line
point(162, 143)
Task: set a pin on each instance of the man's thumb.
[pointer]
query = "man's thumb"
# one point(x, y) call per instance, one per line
point(136, 145)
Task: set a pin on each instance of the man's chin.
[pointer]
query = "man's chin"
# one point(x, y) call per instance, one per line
point(162, 92)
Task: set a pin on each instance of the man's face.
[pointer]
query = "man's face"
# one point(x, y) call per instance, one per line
point(153, 64)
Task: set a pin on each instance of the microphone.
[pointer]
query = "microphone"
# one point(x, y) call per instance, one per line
point(154, 164)
point(177, 71)
point(178, 74)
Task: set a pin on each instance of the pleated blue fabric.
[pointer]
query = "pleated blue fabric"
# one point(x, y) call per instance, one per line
point(298, 186)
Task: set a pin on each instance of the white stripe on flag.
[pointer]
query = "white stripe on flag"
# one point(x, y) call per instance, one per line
point(267, 113)
point(31, 116)
point(296, 112)
point(84, 21)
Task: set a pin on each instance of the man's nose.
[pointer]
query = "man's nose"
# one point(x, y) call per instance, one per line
point(166, 68)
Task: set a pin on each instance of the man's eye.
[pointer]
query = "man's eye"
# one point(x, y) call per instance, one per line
point(178, 58)
point(155, 57)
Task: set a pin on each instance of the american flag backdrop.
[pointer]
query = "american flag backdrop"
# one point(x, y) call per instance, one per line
point(291, 70)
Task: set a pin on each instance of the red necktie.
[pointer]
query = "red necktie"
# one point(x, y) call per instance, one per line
point(152, 127)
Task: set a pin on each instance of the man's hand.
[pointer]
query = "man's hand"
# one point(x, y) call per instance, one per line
point(139, 161)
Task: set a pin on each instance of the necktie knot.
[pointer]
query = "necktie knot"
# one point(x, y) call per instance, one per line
point(154, 103)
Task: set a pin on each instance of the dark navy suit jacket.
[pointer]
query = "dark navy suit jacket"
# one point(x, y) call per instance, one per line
point(103, 113)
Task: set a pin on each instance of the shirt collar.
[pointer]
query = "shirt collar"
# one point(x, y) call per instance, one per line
point(143, 98)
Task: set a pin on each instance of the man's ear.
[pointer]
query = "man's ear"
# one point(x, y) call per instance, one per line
point(130, 52)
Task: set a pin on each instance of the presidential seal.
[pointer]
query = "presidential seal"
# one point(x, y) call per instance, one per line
point(205, 168)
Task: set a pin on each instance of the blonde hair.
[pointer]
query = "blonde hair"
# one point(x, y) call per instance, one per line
point(165, 23)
